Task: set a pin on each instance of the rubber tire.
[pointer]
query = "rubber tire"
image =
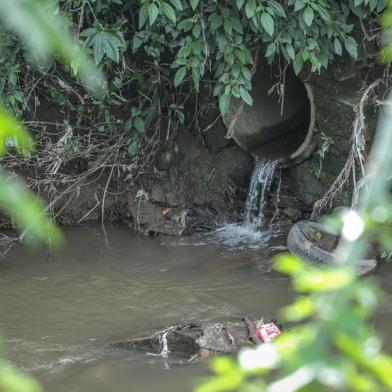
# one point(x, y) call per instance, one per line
point(299, 243)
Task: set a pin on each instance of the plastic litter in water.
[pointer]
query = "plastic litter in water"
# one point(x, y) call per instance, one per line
point(267, 332)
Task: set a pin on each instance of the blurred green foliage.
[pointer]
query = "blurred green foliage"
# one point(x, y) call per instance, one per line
point(15, 199)
point(11, 380)
point(44, 35)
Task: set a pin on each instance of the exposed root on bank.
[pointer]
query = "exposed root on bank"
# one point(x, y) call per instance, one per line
point(355, 162)
point(6, 244)
point(67, 159)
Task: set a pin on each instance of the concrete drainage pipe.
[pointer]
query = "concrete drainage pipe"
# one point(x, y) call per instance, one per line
point(275, 127)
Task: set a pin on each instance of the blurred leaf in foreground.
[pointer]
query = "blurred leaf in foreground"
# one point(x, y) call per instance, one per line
point(15, 199)
point(46, 35)
point(11, 380)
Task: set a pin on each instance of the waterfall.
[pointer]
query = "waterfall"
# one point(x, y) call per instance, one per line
point(260, 185)
point(256, 229)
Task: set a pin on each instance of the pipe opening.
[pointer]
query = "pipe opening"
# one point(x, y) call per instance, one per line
point(275, 128)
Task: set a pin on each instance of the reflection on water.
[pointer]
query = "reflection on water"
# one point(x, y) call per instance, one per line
point(62, 310)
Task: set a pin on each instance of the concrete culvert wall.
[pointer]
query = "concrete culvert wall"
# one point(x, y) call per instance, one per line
point(274, 127)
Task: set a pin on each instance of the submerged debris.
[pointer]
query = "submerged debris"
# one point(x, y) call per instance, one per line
point(193, 341)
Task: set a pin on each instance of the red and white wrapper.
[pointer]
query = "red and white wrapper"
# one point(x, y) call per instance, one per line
point(267, 332)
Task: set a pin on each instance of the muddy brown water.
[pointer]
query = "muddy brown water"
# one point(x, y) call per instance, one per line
point(60, 311)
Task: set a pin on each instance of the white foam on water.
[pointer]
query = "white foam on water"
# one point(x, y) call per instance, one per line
point(241, 236)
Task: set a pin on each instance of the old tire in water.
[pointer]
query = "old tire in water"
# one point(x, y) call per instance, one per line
point(314, 244)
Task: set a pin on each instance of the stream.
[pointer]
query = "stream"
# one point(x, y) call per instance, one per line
point(61, 310)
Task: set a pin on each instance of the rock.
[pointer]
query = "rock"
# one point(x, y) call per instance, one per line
point(292, 213)
point(214, 134)
point(236, 163)
point(308, 188)
point(211, 125)
point(158, 194)
point(152, 219)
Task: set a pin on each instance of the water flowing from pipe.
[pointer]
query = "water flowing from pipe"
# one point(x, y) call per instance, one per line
point(259, 189)
point(256, 229)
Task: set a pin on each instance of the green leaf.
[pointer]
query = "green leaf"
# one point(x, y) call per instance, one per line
point(133, 148)
point(298, 63)
point(288, 264)
point(246, 73)
point(250, 9)
point(11, 130)
point(196, 79)
point(352, 47)
point(152, 13)
point(224, 365)
point(338, 46)
point(308, 16)
point(316, 280)
point(185, 25)
point(185, 51)
point(46, 34)
point(216, 21)
point(228, 27)
point(27, 210)
point(271, 50)
point(194, 4)
point(268, 23)
point(180, 75)
point(225, 78)
point(239, 3)
point(196, 31)
point(290, 51)
point(246, 96)
point(235, 92)
point(143, 15)
point(15, 199)
point(278, 9)
point(299, 4)
point(139, 125)
point(107, 42)
point(302, 308)
point(240, 56)
point(177, 4)
point(12, 380)
point(237, 25)
point(128, 125)
point(169, 12)
point(315, 61)
point(224, 102)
